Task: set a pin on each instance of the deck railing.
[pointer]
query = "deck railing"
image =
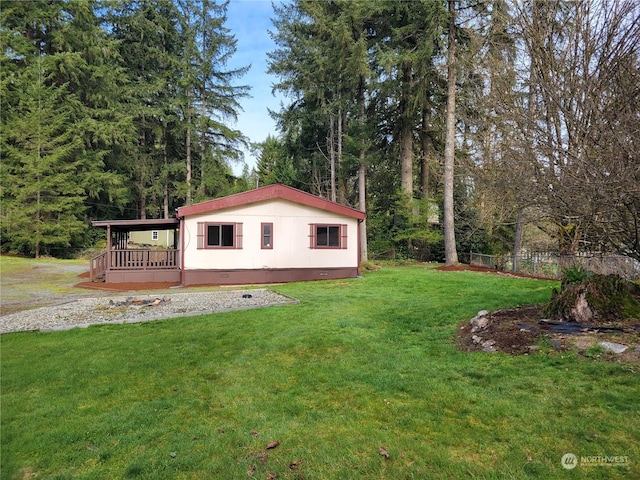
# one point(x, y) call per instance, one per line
point(138, 259)
point(133, 259)
point(97, 267)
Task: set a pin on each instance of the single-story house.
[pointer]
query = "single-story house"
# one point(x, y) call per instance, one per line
point(152, 238)
point(266, 235)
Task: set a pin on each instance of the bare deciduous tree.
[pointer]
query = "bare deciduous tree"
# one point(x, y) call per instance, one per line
point(581, 119)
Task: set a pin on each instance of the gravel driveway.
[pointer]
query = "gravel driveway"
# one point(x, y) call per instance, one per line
point(82, 312)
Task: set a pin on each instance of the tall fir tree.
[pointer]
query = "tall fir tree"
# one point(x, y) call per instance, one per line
point(42, 202)
point(54, 137)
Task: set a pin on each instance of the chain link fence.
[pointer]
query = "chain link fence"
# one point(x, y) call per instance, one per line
point(551, 265)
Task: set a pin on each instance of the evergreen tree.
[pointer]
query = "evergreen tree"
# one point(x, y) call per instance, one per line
point(42, 201)
point(274, 165)
point(175, 54)
point(149, 45)
point(406, 35)
point(209, 97)
point(56, 128)
point(360, 75)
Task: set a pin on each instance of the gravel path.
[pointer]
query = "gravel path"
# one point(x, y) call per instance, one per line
point(119, 309)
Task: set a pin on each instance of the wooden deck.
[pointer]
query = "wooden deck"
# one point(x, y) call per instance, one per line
point(132, 260)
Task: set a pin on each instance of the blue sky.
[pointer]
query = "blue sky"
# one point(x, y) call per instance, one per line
point(249, 21)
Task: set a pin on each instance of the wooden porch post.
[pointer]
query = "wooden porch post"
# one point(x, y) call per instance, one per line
point(108, 247)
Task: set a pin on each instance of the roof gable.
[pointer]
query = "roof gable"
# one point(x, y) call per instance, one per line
point(277, 191)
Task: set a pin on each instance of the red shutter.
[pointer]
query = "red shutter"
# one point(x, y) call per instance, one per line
point(201, 229)
point(238, 244)
point(343, 236)
point(312, 235)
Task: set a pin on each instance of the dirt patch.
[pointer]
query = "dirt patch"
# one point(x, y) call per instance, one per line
point(503, 328)
point(28, 283)
point(519, 331)
point(461, 267)
point(27, 473)
point(32, 283)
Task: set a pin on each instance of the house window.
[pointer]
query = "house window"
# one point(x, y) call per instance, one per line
point(267, 235)
point(154, 235)
point(328, 236)
point(219, 235)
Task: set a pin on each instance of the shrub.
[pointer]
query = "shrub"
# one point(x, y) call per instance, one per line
point(575, 274)
point(370, 266)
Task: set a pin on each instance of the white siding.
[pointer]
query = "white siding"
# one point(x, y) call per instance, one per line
point(290, 238)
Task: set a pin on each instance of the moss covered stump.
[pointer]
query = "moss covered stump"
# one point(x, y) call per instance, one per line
point(593, 299)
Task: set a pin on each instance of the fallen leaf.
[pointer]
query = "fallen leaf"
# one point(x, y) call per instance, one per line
point(294, 465)
point(251, 471)
point(271, 476)
point(384, 453)
point(254, 433)
point(273, 444)
point(529, 457)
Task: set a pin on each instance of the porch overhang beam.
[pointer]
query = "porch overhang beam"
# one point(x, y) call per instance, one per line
point(138, 225)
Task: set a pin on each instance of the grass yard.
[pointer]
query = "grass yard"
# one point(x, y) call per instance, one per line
point(358, 365)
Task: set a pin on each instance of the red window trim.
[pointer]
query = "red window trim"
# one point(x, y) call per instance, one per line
point(202, 236)
point(262, 236)
point(342, 239)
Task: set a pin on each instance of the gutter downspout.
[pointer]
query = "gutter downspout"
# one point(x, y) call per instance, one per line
point(359, 246)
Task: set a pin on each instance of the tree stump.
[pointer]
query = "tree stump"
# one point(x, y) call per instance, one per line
point(595, 298)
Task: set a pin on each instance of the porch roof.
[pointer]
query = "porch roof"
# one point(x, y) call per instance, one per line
point(138, 225)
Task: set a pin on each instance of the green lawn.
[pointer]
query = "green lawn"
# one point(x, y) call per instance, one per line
point(358, 365)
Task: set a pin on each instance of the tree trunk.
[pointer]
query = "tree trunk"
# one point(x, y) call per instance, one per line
point(143, 199)
point(143, 196)
point(362, 175)
point(450, 252)
point(203, 142)
point(426, 150)
point(406, 156)
point(332, 157)
point(200, 190)
point(188, 149)
point(517, 242)
point(406, 135)
point(362, 205)
point(165, 193)
point(342, 187)
point(37, 232)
